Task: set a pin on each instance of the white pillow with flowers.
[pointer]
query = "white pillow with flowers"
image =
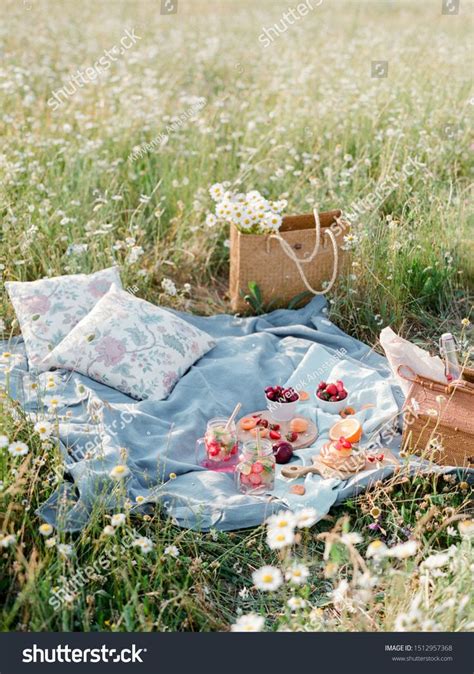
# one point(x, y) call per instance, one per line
point(131, 345)
point(49, 308)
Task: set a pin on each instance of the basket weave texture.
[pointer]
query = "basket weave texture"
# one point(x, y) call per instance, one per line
point(442, 415)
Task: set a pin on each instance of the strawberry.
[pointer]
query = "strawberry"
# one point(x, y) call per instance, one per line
point(380, 457)
point(340, 385)
point(263, 423)
point(370, 458)
point(275, 427)
point(292, 436)
point(275, 435)
point(334, 399)
point(331, 389)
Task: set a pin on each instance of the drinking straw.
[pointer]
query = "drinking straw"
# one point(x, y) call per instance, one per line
point(232, 416)
point(259, 444)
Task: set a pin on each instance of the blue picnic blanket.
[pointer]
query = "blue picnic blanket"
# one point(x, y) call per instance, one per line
point(100, 427)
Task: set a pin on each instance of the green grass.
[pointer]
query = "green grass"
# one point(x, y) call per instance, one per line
point(302, 120)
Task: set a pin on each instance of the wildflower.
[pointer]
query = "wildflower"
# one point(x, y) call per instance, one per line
point(169, 287)
point(145, 544)
point(296, 603)
point(109, 530)
point(440, 399)
point(171, 551)
point(466, 528)
point(134, 254)
point(173, 476)
point(352, 538)
point(306, 517)
point(297, 574)
point(4, 441)
point(6, 541)
point(451, 531)
point(339, 594)
point(436, 561)
point(403, 550)
point(465, 322)
point(376, 549)
point(18, 449)
point(117, 520)
point(211, 220)
point(44, 429)
point(65, 550)
point(216, 191)
point(280, 538)
point(267, 578)
point(119, 472)
point(248, 623)
point(463, 486)
point(46, 529)
point(244, 593)
point(282, 520)
point(53, 403)
point(139, 499)
point(432, 412)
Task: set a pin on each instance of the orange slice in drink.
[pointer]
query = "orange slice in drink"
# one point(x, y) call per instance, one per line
point(348, 428)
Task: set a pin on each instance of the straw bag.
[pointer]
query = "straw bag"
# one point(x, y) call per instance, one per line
point(440, 415)
point(304, 253)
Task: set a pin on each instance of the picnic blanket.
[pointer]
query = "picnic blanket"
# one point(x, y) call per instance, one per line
point(100, 427)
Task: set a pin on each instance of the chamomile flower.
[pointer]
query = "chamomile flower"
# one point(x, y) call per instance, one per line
point(7, 541)
point(306, 518)
point(65, 549)
point(217, 191)
point(248, 623)
point(403, 550)
point(144, 543)
point(376, 549)
point(119, 472)
point(465, 322)
point(211, 220)
point(54, 403)
point(117, 520)
point(296, 603)
point(280, 538)
point(282, 520)
point(139, 499)
point(109, 530)
point(466, 528)
point(297, 574)
point(18, 449)
point(50, 542)
point(351, 538)
point(171, 551)
point(4, 441)
point(46, 529)
point(44, 429)
point(267, 578)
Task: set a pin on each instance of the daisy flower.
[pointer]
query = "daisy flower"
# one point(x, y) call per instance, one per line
point(351, 538)
point(50, 542)
point(144, 543)
point(296, 603)
point(139, 499)
point(306, 517)
point(466, 528)
point(297, 574)
point(217, 191)
point(248, 623)
point(117, 520)
point(4, 441)
point(403, 550)
point(6, 541)
point(54, 403)
point(44, 429)
point(46, 529)
point(375, 512)
point(171, 550)
point(109, 530)
point(282, 520)
point(376, 549)
point(65, 549)
point(119, 472)
point(267, 578)
point(18, 449)
point(211, 220)
point(280, 538)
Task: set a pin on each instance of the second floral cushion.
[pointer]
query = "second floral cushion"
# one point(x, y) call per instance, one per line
point(131, 345)
point(47, 309)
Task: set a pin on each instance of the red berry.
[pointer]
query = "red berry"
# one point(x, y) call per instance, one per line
point(380, 457)
point(322, 385)
point(275, 427)
point(262, 422)
point(331, 389)
point(275, 435)
point(292, 436)
point(340, 385)
point(342, 395)
point(334, 399)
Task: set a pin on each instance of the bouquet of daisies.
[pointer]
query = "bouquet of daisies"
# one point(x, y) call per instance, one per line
point(251, 213)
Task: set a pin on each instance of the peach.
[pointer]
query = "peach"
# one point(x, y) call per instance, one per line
point(299, 425)
point(263, 431)
point(247, 423)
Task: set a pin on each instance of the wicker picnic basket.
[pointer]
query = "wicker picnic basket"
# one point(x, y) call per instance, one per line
point(440, 415)
point(305, 255)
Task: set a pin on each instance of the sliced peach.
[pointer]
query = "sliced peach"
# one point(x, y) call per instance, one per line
point(347, 412)
point(247, 423)
point(304, 395)
point(299, 425)
point(263, 431)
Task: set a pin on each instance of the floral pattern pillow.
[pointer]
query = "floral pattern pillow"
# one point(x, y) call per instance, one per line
point(49, 308)
point(132, 345)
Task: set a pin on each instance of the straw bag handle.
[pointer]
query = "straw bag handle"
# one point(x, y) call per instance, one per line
point(298, 262)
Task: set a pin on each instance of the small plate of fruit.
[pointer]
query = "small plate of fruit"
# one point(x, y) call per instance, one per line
point(331, 396)
point(298, 432)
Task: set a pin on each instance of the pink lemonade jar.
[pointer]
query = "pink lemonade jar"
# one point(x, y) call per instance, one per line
point(221, 443)
point(255, 472)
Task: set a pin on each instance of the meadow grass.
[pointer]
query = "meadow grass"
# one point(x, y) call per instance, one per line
point(303, 120)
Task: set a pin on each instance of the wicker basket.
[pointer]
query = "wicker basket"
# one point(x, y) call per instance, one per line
point(440, 416)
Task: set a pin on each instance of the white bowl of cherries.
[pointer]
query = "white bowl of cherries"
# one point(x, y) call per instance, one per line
point(331, 397)
point(281, 402)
